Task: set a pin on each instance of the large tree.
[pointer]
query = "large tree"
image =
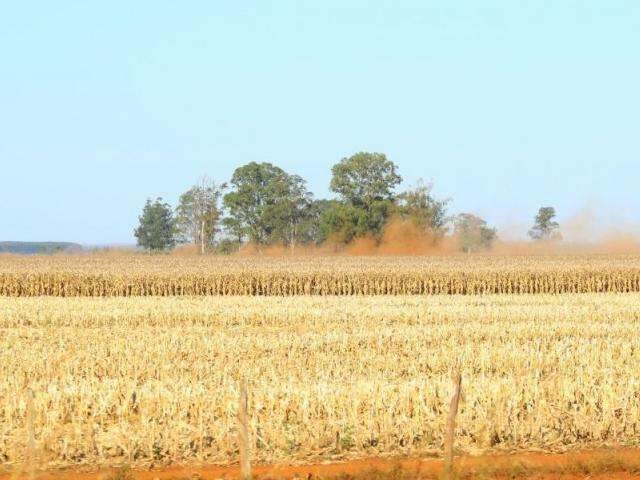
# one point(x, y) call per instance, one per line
point(198, 214)
point(156, 230)
point(419, 206)
point(545, 227)
point(472, 233)
point(364, 178)
point(290, 212)
point(365, 183)
point(266, 204)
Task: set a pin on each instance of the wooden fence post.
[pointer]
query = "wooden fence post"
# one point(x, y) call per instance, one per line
point(451, 425)
point(243, 433)
point(31, 435)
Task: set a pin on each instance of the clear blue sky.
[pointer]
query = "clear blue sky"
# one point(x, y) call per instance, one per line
point(504, 105)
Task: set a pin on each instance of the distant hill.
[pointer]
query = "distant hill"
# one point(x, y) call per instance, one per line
point(38, 247)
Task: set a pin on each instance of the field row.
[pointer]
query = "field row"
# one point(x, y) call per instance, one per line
point(127, 276)
point(143, 380)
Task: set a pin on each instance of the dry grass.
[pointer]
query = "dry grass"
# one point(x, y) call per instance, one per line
point(140, 275)
point(154, 380)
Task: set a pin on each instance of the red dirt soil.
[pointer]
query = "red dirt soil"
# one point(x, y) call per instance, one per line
point(594, 464)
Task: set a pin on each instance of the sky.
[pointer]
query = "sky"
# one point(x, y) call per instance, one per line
point(504, 105)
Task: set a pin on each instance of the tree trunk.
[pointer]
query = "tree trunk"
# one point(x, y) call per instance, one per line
point(202, 237)
point(294, 233)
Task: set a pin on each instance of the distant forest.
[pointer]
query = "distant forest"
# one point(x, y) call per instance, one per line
point(38, 247)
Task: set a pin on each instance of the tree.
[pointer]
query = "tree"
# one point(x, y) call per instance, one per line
point(311, 228)
point(254, 187)
point(366, 183)
point(342, 222)
point(545, 228)
point(198, 214)
point(289, 212)
point(156, 230)
point(266, 205)
point(365, 178)
point(234, 227)
point(419, 206)
point(472, 233)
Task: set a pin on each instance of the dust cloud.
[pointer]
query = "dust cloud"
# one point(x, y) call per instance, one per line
point(583, 233)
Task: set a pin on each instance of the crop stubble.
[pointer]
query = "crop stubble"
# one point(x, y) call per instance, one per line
point(141, 380)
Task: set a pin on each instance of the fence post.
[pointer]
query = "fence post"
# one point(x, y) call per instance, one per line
point(31, 434)
point(451, 425)
point(243, 433)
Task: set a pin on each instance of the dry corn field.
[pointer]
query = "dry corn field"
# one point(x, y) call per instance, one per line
point(139, 275)
point(155, 380)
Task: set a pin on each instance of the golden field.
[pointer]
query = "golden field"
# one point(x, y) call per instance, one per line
point(143, 275)
point(155, 380)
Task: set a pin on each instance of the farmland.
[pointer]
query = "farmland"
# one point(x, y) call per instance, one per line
point(149, 380)
point(140, 275)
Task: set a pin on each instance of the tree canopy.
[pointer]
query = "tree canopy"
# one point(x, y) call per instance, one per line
point(198, 214)
point(472, 233)
point(545, 227)
point(365, 178)
point(156, 229)
point(365, 183)
point(423, 209)
point(266, 204)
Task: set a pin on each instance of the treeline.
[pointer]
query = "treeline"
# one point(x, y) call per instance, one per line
point(30, 248)
point(265, 206)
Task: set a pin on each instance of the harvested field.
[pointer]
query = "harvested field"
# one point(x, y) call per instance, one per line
point(140, 275)
point(147, 381)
